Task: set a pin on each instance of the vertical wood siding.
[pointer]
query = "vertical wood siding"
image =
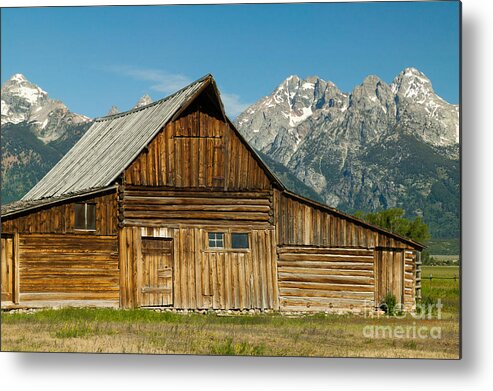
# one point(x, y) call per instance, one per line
point(155, 272)
point(59, 219)
point(205, 278)
point(68, 268)
point(389, 274)
point(7, 268)
point(301, 224)
point(199, 150)
point(129, 244)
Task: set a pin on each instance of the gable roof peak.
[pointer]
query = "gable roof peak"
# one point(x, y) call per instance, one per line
point(111, 144)
point(205, 78)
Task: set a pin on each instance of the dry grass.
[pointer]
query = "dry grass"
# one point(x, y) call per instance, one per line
point(271, 335)
point(144, 331)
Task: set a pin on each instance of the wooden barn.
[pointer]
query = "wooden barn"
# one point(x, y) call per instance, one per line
point(167, 205)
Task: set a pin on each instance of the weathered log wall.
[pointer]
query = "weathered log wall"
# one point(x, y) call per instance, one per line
point(60, 218)
point(207, 278)
point(157, 207)
point(68, 269)
point(198, 150)
point(321, 279)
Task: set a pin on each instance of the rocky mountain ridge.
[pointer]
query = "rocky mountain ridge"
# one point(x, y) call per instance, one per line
point(23, 101)
point(380, 146)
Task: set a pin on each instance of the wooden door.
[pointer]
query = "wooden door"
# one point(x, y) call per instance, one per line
point(156, 272)
point(7, 269)
point(389, 272)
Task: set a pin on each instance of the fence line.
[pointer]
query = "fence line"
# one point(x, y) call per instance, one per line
point(430, 277)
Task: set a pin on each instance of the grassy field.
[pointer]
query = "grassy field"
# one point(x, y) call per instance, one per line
point(443, 285)
point(145, 331)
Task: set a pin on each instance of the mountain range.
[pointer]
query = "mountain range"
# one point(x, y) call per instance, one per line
point(378, 146)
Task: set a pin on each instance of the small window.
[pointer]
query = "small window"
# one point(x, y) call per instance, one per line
point(80, 213)
point(85, 216)
point(216, 239)
point(239, 240)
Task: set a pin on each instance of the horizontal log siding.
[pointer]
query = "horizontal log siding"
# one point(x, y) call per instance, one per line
point(213, 279)
point(68, 268)
point(59, 219)
point(148, 207)
point(301, 224)
point(321, 279)
point(197, 151)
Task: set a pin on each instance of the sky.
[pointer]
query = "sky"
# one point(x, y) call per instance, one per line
point(92, 58)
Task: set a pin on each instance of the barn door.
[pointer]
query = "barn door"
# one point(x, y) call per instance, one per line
point(156, 272)
point(389, 272)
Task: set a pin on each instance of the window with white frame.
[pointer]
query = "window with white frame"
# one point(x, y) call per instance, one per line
point(216, 239)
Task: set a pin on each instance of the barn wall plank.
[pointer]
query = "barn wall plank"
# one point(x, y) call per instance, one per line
point(74, 267)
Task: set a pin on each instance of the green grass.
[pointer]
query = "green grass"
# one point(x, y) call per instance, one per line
point(441, 286)
point(97, 315)
point(270, 334)
point(229, 348)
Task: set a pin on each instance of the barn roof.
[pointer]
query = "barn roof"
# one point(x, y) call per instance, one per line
point(110, 145)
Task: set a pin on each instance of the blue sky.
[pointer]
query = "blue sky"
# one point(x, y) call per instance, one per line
point(94, 57)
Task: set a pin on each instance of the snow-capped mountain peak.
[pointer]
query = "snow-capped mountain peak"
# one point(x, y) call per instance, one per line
point(18, 77)
point(412, 84)
point(371, 111)
point(18, 86)
point(144, 101)
point(285, 115)
point(23, 101)
point(435, 120)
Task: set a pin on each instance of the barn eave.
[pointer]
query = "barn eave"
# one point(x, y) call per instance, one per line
point(17, 208)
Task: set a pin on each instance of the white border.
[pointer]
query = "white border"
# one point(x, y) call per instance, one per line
point(125, 372)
